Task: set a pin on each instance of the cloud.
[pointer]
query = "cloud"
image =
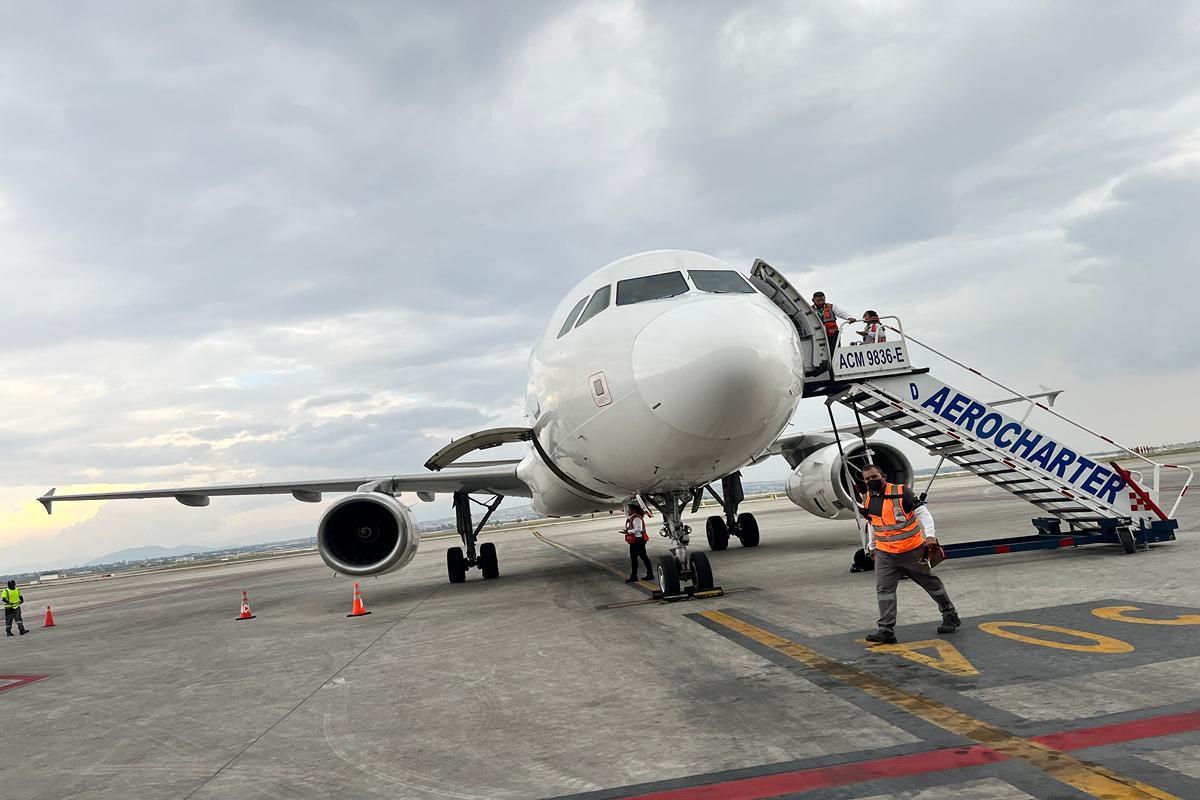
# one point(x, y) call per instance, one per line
point(247, 241)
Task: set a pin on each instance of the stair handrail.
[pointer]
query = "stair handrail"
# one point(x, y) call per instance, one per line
point(1157, 466)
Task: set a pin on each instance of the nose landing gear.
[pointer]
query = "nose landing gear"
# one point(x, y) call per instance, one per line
point(743, 526)
point(681, 573)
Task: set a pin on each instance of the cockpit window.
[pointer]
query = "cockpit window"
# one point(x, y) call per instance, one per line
point(571, 318)
point(598, 303)
point(651, 287)
point(720, 281)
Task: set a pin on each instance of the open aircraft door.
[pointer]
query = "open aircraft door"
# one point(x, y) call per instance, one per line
point(813, 342)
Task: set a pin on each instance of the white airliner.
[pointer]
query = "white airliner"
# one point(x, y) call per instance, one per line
point(656, 376)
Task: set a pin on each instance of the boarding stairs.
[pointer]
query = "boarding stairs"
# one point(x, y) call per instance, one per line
point(1095, 498)
point(879, 400)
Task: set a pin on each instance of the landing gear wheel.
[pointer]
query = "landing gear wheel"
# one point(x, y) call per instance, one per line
point(862, 562)
point(717, 532)
point(488, 563)
point(1128, 543)
point(668, 575)
point(702, 577)
point(456, 565)
point(748, 530)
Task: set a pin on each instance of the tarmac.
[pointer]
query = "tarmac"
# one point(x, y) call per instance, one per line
point(1076, 674)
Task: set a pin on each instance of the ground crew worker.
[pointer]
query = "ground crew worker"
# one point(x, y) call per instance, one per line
point(900, 532)
point(636, 536)
point(829, 314)
point(12, 608)
point(874, 332)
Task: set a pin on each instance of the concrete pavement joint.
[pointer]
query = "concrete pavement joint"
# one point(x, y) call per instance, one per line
point(310, 695)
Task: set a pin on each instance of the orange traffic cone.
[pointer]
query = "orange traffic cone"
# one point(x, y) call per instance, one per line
point(245, 609)
point(49, 623)
point(359, 610)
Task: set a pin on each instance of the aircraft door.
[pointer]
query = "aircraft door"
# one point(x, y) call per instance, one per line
point(813, 342)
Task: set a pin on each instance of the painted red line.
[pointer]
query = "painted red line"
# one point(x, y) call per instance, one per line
point(1121, 732)
point(13, 681)
point(806, 780)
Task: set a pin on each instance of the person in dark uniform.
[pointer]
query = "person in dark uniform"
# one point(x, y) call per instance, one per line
point(636, 536)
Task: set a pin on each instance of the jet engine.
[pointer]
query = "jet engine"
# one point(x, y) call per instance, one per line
point(819, 485)
point(367, 533)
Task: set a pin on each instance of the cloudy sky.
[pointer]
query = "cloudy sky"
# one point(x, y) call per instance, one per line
point(244, 241)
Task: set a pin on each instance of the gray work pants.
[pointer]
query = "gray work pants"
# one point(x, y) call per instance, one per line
point(12, 613)
point(889, 567)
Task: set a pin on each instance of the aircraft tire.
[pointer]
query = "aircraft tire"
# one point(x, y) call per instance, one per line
point(456, 565)
point(717, 532)
point(489, 564)
point(1128, 543)
point(667, 572)
point(748, 530)
point(702, 576)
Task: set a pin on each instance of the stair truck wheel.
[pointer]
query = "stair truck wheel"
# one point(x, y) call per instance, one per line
point(748, 530)
point(1128, 543)
point(863, 562)
point(717, 532)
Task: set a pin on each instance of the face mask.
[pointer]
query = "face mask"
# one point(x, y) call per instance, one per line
point(875, 485)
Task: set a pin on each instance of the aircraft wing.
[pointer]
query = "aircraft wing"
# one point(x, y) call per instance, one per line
point(492, 477)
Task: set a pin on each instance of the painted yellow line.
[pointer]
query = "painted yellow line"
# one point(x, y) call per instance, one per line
point(1121, 614)
point(1099, 643)
point(1092, 779)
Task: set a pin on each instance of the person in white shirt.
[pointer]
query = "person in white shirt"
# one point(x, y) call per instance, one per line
point(636, 536)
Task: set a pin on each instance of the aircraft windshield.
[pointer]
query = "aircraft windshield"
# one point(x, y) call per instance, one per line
point(719, 281)
point(571, 318)
point(651, 287)
point(598, 303)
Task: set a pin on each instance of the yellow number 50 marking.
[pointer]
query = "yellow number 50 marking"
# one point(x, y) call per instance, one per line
point(1099, 644)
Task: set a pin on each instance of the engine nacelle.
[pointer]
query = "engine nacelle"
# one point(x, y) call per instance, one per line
point(367, 533)
point(818, 484)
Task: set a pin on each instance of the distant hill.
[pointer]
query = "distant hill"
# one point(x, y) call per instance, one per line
point(151, 551)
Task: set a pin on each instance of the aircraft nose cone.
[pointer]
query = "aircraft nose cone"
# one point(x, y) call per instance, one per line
point(718, 368)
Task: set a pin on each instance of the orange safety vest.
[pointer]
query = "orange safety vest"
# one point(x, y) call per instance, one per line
point(827, 317)
point(630, 536)
point(896, 530)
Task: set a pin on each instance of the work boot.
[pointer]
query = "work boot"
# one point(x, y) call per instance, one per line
point(632, 578)
point(24, 631)
point(649, 577)
point(950, 623)
point(8, 633)
point(881, 637)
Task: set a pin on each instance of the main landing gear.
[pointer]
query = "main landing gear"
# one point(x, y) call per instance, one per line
point(680, 567)
point(743, 526)
point(457, 561)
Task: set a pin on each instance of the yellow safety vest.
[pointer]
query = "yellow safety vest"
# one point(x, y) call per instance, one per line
point(11, 597)
point(896, 530)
